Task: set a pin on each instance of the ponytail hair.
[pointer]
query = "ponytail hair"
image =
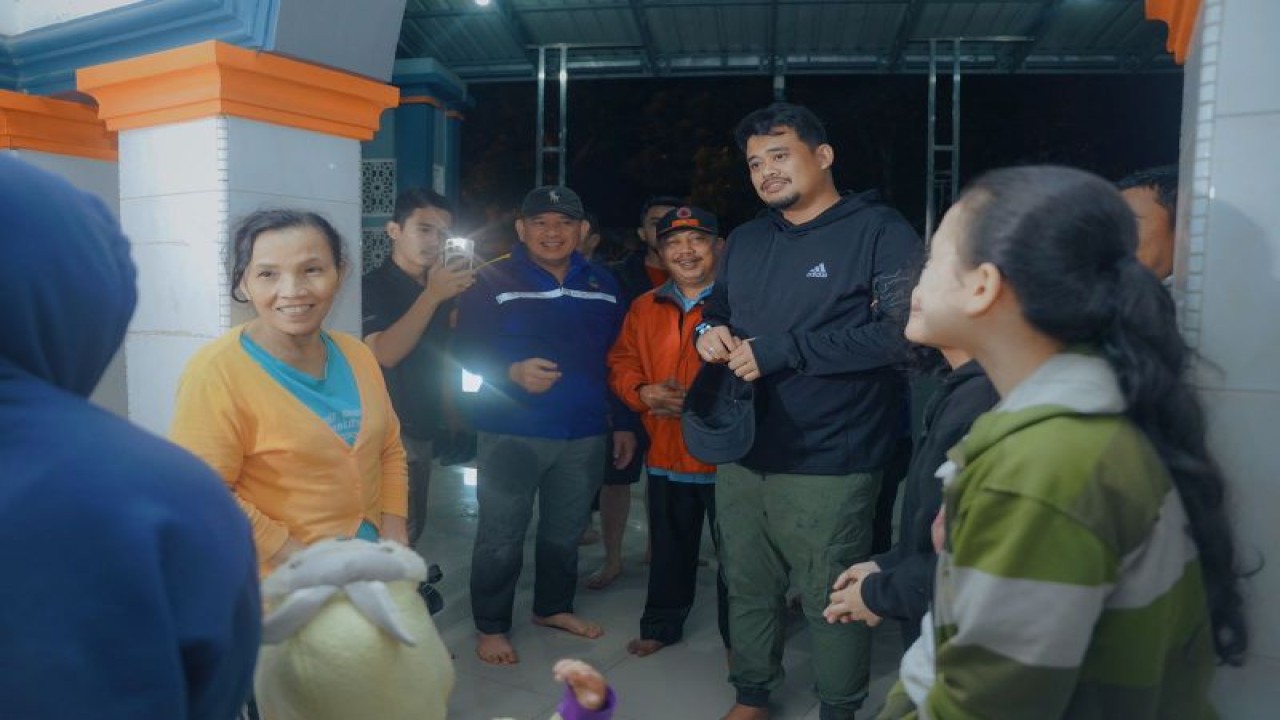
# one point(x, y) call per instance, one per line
point(1064, 240)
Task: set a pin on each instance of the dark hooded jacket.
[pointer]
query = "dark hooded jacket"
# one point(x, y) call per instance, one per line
point(904, 586)
point(130, 585)
point(825, 303)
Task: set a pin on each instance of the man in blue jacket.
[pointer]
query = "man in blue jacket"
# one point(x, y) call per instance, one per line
point(537, 327)
point(809, 305)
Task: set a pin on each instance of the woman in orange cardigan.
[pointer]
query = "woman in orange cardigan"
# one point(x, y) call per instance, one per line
point(295, 419)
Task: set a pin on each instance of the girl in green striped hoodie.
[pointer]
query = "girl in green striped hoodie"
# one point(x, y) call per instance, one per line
point(1086, 564)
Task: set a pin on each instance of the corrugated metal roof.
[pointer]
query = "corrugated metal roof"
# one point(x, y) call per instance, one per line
point(641, 38)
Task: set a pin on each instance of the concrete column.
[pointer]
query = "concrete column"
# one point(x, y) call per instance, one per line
point(453, 162)
point(415, 135)
point(427, 136)
point(209, 133)
point(68, 139)
point(1228, 277)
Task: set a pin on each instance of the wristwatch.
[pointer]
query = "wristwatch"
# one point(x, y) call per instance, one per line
point(701, 328)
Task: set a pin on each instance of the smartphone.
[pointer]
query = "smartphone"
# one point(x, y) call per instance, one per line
point(459, 253)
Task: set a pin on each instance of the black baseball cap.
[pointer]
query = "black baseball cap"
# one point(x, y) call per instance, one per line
point(687, 217)
point(553, 198)
point(719, 418)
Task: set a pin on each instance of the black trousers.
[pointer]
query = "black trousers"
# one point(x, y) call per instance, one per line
point(676, 514)
point(894, 472)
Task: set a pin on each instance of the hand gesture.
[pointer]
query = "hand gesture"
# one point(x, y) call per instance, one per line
point(665, 399)
point(938, 530)
point(444, 282)
point(715, 344)
point(742, 361)
point(535, 375)
point(587, 683)
point(286, 551)
point(624, 448)
point(847, 606)
point(855, 573)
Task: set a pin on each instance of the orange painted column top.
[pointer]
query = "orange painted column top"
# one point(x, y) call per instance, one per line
point(31, 122)
point(1180, 16)
point(214, 78)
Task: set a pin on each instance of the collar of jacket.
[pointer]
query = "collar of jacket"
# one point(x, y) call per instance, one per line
point(577, 263)
point(668, 292)
point(1070, 383)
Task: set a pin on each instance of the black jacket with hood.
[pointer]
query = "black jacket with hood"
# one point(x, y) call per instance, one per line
point(825, 303)
point(903, 588)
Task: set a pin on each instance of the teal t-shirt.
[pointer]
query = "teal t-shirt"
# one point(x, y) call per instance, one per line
point(335, 398)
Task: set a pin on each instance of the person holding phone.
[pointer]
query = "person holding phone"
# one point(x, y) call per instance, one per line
point(407, 302)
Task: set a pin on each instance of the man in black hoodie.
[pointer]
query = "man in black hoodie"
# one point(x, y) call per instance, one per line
point(809, 306)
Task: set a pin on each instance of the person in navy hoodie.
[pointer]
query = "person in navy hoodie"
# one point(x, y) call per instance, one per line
point(131, 589)
point(537, 326)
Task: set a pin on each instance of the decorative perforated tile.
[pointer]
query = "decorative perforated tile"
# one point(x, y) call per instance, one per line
point(375, 245)
point(377, 187)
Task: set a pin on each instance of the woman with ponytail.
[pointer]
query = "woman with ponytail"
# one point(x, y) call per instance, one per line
point(1087, 568)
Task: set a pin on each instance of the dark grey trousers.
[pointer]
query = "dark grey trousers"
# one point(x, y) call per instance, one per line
point(512, 472)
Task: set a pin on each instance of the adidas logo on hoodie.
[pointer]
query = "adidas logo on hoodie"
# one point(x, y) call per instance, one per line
point(817, 271)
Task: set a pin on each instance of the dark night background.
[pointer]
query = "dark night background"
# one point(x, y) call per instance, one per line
point(629, 139)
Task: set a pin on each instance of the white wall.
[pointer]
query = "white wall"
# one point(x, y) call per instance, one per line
point(19, 16)
point(1228, 274)
point(100, 178)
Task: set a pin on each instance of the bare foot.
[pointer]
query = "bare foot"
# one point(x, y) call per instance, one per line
point(604, 577)
point(746, 712)
point(570, 623)
point(495, 649)
point(641, 647)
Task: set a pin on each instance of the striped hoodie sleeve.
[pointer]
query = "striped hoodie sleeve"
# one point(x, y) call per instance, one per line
point(1020, 589)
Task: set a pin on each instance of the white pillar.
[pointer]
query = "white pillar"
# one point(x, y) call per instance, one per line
point(208, 134)
point(1228, 276)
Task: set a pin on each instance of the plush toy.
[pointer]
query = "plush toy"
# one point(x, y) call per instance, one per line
point(348, 636)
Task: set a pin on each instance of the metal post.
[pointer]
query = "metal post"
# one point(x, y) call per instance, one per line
point(562, 142)
point(542, 101)
point(933, 120)
point(943, 185)
point(955, 121)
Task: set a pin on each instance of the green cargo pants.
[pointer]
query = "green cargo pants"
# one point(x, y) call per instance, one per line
point(777, 530)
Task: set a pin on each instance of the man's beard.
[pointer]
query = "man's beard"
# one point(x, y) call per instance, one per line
point(783, 203)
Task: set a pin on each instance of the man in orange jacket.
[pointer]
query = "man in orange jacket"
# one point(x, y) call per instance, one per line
point(650, 366)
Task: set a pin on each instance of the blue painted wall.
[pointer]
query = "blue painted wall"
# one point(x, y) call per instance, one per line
point(44, 61)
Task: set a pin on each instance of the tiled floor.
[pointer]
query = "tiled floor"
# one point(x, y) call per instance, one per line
point(686, 681)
